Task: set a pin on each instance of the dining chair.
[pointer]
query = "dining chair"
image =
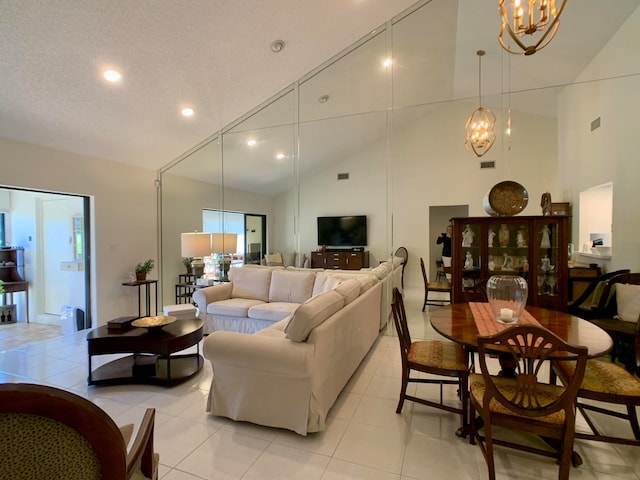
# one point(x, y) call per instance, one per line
point(440, 275)
point(443, 287)
point(404, 254)
point(523, 402)
point(609, 383)
point(436, 357)
point(585, 306)
point(476, 292)
point(51, 433)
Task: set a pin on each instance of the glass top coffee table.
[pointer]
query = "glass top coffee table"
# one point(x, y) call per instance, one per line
point(151, 360)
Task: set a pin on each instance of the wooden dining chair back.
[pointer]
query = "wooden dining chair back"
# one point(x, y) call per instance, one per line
point(523, 402)
point(611, 312)
point(51, 433)
point(440, 275)
point(436, 357)
point(476, 292)
point(608, 383)
point(586, 305)
point(441, 287)
point(403, 253)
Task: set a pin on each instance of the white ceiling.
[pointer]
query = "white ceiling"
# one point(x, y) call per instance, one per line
point(214, 55)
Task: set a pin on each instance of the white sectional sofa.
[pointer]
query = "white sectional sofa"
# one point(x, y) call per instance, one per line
point(289, 374)
point(246, 310)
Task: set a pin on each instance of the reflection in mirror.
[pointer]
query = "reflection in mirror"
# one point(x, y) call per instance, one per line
point(189, 186)
point(259, 171)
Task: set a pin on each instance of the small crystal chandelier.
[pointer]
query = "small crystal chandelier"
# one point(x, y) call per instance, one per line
point(480, 124)
point(519, 19)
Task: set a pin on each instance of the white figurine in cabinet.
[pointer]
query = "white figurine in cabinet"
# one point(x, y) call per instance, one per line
point(521, 241)
point(545, 241)
point(467, 236)
point(468, 261)
point(492, 235)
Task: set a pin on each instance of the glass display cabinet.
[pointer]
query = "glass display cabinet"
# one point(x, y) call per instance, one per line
point(534, 248)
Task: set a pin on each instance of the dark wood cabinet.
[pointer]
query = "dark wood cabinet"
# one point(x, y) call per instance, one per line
point(340, 259)
point(533, 247)
point(12, 275)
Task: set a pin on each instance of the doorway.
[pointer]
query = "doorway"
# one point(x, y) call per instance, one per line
point(438, 220)
point(53, 230)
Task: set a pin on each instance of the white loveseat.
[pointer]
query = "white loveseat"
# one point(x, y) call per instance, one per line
point(289, 374)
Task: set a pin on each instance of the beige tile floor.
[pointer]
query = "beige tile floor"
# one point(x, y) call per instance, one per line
point(14, 335)
point(365, 438)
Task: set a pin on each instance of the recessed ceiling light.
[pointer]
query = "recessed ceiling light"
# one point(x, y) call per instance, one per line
point(251, 142)
point(323, 98)
point(112, 76)
point(280, 156)
point(277, 46)
point(387, 63)
point(188, 112)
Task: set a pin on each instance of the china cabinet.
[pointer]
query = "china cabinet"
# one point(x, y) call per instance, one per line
point(12, 276)
point(533, 247)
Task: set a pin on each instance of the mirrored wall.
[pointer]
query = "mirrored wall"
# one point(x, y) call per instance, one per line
point(379, 131)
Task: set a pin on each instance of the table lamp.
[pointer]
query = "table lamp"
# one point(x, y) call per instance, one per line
point(224, 244)
point(196, 245)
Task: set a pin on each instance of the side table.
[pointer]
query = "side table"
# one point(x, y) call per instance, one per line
point(147, 287)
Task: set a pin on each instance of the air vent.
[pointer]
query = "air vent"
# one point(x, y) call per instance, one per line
point(595, 124)
point(488, 164)
point(343, 176)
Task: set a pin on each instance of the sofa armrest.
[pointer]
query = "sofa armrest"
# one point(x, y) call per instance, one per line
point(215, 293)
point(260, 353)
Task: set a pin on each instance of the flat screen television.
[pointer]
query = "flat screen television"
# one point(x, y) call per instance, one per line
point(348, 231)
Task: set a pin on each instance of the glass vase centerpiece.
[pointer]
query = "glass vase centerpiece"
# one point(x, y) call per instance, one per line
point(507, 295)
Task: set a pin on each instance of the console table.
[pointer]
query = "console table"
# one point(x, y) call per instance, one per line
point(147, 294)
point(340, 259)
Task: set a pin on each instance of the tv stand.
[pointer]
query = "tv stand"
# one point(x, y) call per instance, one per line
point(340, 259)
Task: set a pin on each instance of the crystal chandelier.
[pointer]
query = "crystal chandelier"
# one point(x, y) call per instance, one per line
point(480, 124)
point(538, 18)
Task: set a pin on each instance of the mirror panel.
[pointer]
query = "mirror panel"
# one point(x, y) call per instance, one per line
point(187, 187)
point(259, 170)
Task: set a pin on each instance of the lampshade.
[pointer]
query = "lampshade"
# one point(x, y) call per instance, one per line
point(539, 19)
point(225, 243)
point(195, 244)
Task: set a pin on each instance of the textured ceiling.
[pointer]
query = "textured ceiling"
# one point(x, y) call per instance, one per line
point(214, 55)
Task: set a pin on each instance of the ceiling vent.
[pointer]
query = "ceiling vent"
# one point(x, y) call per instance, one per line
point(488, 164)
point(343, 176)
point(595, 124)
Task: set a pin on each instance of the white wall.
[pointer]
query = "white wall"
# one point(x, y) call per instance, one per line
point(123, 209)
point(608, 154)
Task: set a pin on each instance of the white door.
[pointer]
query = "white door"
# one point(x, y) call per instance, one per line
point(60, 287)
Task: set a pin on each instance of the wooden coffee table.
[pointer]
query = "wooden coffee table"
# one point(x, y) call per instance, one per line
point(151, 360)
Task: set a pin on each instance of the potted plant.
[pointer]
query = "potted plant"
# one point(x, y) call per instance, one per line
point(143, 268)
point(187, 263)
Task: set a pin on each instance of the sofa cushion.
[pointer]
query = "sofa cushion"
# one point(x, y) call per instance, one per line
point(311, 314)
point(291, 286)
point(251, 283)
point(273, 312)
point(349, 289)
point(628, 302)
point(324, 282)
point(234, 307)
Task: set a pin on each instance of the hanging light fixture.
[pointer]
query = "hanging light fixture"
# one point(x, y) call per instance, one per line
point(538, 18)
point(480, 124)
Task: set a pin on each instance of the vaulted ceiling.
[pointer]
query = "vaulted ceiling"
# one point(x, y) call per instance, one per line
point(215, 56)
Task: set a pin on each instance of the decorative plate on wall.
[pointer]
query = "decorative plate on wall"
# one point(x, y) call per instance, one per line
point(506, 199)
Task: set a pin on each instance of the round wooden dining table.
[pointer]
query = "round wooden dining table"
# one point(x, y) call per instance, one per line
point(456, 323)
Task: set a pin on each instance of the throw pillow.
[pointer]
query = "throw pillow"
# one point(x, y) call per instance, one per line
point(628, 301)
point(250, 283)
point(349, 289)
point(324, 283)
point(311, 314)
point(289, 259)
point(274, 260)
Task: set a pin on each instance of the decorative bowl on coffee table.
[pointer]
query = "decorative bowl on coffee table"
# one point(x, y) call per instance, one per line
point(154, 323)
